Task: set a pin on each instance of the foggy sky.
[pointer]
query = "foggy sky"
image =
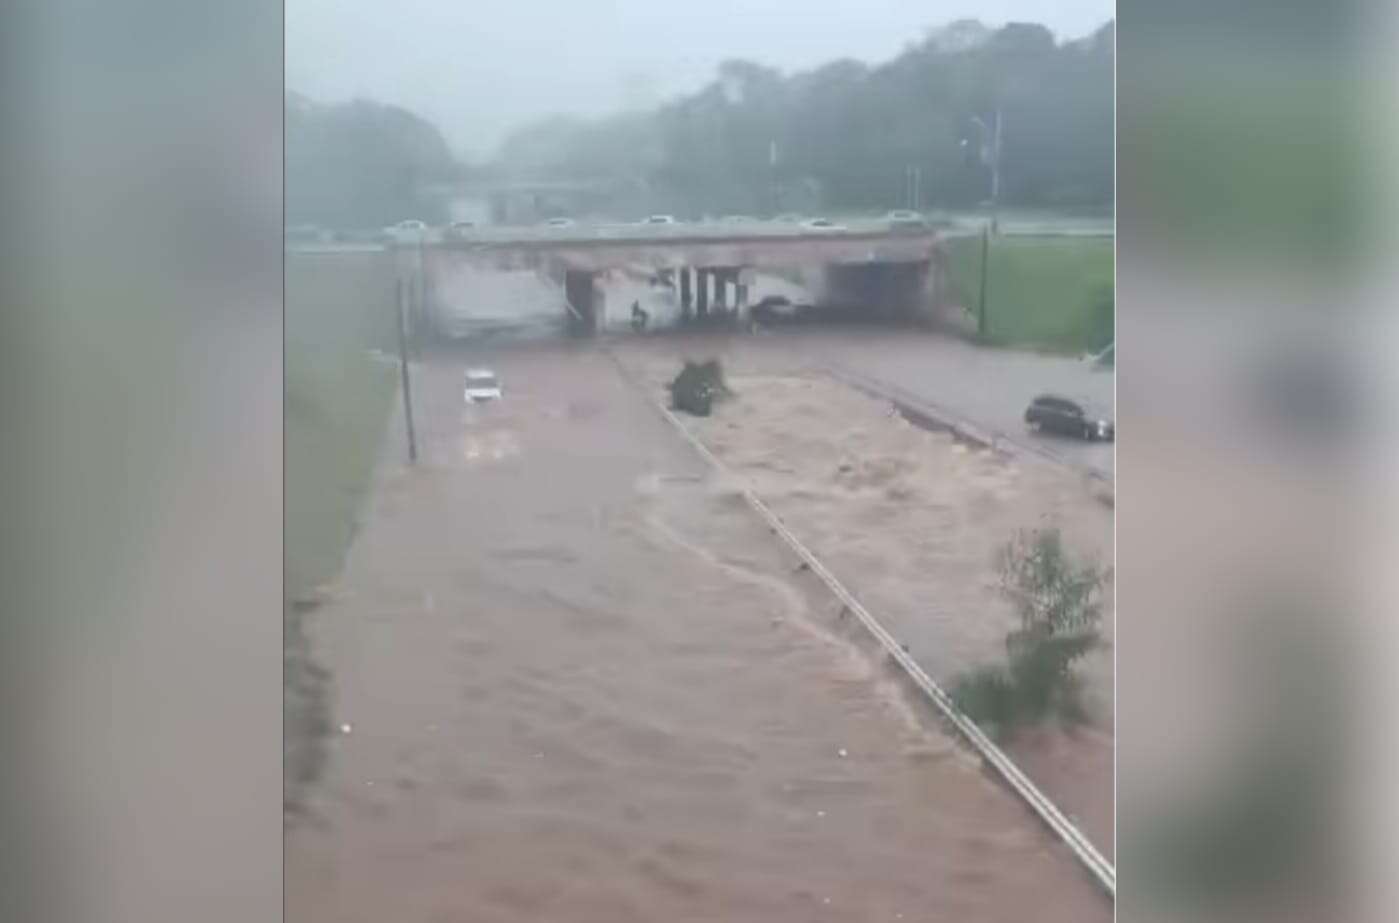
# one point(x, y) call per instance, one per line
point(480, 68)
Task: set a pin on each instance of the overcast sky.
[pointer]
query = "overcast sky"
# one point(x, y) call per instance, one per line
point(480, 68)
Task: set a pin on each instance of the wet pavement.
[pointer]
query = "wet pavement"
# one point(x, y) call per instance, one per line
point(990, 387)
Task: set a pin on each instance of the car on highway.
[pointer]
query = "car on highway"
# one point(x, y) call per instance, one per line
point(777, 309)
point(408, 230)
point(904, 219)
point(659, 219)
point(460, 230)
point(822, 224)
point(482, 385)
point(1056, 414)
point(559, 223)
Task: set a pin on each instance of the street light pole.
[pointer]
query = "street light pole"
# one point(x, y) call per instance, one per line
point(996, 171)
point(981, 322)
point(403, 372)
point(991, 156)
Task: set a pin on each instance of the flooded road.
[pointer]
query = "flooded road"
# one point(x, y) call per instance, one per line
point(910, 520)
point(576, 680)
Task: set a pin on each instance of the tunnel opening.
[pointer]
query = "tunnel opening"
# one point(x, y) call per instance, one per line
point(744, 286)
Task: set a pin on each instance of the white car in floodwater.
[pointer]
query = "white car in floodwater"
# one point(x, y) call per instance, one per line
point(482, 385)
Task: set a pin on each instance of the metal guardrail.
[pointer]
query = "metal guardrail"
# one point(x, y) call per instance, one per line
point(1102, 871)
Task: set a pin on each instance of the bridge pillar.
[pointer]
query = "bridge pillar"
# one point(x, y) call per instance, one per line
point(702, 292)
point(721, 289)
point(580, 290)
point(685, 298)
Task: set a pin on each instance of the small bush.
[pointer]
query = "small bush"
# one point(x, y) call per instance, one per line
point(1059, 605)
point(697, 386)
point(987, 694)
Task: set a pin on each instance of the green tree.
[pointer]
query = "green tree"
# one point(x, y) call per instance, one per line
point(1059, 607)
point(852, 131)
point(361, 164)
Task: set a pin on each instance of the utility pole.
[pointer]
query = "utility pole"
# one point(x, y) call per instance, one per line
point(996, 172)
point(981, 326)
point(403, 372)
point(991, 156)
point(772, 176)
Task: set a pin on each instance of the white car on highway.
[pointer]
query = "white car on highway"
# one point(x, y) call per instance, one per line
point(409, 230)
point(659, 219)
point(482, 385)
point(902, 218)
point(559, 223)
point(822, 224)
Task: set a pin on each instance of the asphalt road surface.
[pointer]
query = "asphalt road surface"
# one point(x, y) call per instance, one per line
point(989, 387)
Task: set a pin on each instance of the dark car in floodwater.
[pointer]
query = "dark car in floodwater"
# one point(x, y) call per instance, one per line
point(1068, 417)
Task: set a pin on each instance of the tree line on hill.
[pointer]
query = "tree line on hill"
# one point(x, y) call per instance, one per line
point(843, 136)
point(850, 136)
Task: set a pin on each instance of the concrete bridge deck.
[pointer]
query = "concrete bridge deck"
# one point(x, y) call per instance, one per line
point(758, 245)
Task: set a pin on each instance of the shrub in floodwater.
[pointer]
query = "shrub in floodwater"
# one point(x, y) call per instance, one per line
point(697, 386)
point(1059, 605)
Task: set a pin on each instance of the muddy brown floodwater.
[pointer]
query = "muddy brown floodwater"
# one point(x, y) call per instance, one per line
point(579, 681)
point(910, 521)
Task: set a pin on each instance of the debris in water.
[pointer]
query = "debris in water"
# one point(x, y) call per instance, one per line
point(345, 728)
point(697, 386)
point(842, 752)
point(820, 813)
point(803, 566)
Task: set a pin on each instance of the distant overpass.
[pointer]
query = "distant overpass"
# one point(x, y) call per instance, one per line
point(887, 272)
point(862, 264)
point(593, 248)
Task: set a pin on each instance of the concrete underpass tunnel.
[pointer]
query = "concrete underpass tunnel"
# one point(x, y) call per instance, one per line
point(878, 291)
point(581, 297)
